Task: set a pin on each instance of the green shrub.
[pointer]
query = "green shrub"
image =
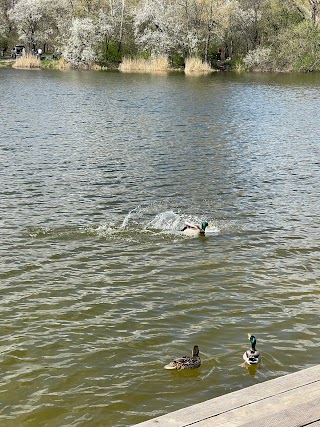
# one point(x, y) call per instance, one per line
point(110, 54)
point(299, 48)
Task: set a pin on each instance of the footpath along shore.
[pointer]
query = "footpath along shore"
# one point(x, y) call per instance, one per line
point(289, 401)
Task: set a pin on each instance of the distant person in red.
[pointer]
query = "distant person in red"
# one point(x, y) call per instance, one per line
point(219, 53)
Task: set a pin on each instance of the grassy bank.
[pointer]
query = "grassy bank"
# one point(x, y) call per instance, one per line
point(54, 64)
point(159, 65)
point(6, 62)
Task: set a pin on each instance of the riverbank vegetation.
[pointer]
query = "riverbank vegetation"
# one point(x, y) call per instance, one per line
point(27, 61)
point(157, 64)
point(258, 35)
point(195, 65)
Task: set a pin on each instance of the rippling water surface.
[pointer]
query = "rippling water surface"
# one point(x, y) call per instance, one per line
point(99, 289)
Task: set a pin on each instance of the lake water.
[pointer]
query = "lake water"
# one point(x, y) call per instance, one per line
point(99, 288)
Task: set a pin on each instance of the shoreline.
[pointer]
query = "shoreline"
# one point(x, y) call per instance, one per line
point(54, 64)
point(291, 400)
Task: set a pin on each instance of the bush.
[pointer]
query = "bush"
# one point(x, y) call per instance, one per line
point(3, 45)
point(79, 50)
point(108, 55)
point(299, 48)
point(258, 59)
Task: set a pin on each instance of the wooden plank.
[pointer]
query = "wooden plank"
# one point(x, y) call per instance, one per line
point(292, 401)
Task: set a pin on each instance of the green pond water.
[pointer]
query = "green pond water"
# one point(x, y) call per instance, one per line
point(99, 288)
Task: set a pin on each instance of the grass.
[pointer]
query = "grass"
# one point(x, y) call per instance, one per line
point(151, 65)
point(31, 61)
point(197, 66)
point(54, 64)
point(27, 61)
point(6, 63)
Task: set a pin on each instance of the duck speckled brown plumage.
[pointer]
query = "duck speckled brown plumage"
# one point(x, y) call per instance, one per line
point(186, 362)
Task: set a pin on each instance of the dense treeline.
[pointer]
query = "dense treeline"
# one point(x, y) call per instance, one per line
point(258, 34)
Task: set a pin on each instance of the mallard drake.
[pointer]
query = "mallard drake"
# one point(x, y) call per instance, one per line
point(191, 229)
point(186, 362)
point(252, 356)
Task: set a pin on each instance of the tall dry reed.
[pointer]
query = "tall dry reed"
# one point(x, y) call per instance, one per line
point(27, 61)
point(196, 65)
point(62, 64)
point(152, 65)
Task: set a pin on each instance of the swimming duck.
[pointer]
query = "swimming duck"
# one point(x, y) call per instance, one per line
point(194, 230)
point(252, 356)
point(186, 362)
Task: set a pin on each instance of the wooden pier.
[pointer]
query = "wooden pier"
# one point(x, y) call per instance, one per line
point(289, 401)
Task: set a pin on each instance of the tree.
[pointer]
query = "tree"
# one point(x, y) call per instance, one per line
point(27, 15)
point(314, 10)
point(7, 33)
point(175, 28)
point(167, 27)
point(5, 6)
point(250, 14)
point(308, 9)
point(80, 48)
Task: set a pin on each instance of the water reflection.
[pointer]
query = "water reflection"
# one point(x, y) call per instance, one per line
point(252, 370)
point(99, 288)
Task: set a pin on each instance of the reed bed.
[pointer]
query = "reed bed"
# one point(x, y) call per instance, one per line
point(158, 64)
point(195, 65)
point(27, 61)
point(62, 64)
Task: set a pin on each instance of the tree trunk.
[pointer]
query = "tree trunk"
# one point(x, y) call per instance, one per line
point(121, 26)
point(314, 10)
point(206, 51)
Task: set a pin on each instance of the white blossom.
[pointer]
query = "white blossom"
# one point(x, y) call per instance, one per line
point(258, 58)
point(79, 50)
point(161, 27)
point(27, 15)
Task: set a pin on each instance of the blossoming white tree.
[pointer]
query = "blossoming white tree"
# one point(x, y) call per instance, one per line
point(161, 26)
point(41, 21)
point(79, 50)
point(27, 16)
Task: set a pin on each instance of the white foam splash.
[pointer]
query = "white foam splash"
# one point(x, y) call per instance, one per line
point(167, 220)
point(138, 221)
point(212, 229)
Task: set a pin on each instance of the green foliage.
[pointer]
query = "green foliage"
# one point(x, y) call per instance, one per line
point(144, 55)
point(239, 66)
point(3, 43)
point(299, 48)
point(177, 60)
point(109, 53)
point(6, 64)
point(278, 15)
point(50, 64)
